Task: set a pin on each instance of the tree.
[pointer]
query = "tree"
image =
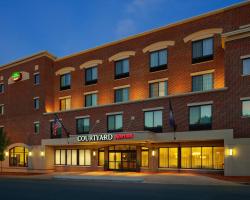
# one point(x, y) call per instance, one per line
point(4, 143)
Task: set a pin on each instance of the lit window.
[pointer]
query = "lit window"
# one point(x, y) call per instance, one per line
point(246, 108)
point(18, 157)
point(168, 157)
point(121, 95)
point(36, 103)
point(84, 157)
point(246, 66)
point(91, 75)
point(153, 120)
point(202, 157)
point(158, 89)
point(158, 60)
point(90, 100)
point(115, 123)
point(65, 103)
point(82, 125)
point(36, 127)
point(1, 88)
point(202, 50)
point(144, 157)
point(202, 82)
point(1, 109)
point(121, 68)
point(101, 159)
point(65, 81)
point(200, 117)
point(71, 157)
point(37, 79)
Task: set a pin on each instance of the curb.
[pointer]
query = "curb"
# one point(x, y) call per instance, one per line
point(98, 178)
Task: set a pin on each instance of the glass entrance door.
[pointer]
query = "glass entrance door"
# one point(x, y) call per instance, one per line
point(122, 160)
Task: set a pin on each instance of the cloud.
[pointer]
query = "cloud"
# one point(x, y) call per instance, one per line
point(136, 10)
point(125, 27)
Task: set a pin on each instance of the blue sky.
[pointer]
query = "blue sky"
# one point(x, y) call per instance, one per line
point(63, 27)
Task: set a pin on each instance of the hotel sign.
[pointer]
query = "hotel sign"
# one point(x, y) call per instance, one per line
point(16, 76)
point(104, 137)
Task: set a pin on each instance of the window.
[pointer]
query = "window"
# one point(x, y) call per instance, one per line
point(82, 126)
point(36, 127)
point(71, 157)
point(122, 68)
point(65, 81)
point(246, 66)
point(153, 120)
point(158, 89)
point(158, 60)
point(65, 103)
point(202, 82)
point(91, 75)
point(101, 157)
point(1, 88)
point(1, 109)
point(90, 100)
point(202, 157)
point(37, 79)
point(202, 50)
point(246, 108)
point(58, 133)
point(144, 157)
point(121, 95)
point(84, 157)
point(168, 157)
point(200, 117)
point(115, 123)
point(36, 103)
point(18, 157)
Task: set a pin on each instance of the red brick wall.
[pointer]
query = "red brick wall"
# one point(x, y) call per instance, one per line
point(20, 115)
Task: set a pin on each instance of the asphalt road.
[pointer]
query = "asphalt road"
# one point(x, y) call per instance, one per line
point(57, 189)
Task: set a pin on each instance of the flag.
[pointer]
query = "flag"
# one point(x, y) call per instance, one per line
point(171, 117)
point(56, 125)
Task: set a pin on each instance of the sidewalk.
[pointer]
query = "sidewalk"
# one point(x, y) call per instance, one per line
point(171, 178)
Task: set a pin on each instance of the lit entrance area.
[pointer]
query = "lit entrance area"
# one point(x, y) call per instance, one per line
point(122, 158)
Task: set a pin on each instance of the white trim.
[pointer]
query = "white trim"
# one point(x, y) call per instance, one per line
point(92, 92)
point(114, 113)
point(64, 70)
point(244, 26)
point(35, 73)
point(1, 126)
point(51, 120)
point(158, 80)
point(36, 97)
point(244, 98)
point(120, 87)
point(82, 117)
point(121, 55)
point(245, 56)
point(65, 97)
point(36, 122)
point(202, 37)
point(152, 109)
point(202, 72)
point(90, 63)
point(200, 103)
point(158, 46)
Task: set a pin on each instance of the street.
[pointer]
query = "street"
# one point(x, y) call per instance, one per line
point(11, 189)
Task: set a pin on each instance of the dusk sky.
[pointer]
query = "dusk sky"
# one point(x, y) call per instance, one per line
point(63, 27)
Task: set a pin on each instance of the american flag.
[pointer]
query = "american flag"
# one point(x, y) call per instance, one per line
point(56, 125)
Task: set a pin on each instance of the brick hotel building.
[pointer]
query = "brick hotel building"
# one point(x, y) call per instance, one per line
point(114, 101)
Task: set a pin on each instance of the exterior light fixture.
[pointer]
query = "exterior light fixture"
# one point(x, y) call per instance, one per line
point(94, 153)
point(30, 153)
point(153, 153)
point(42, 154)
point(6, 153)
point(230, 152)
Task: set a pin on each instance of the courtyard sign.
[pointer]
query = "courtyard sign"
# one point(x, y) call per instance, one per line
point(103, 137)
point(16, 76)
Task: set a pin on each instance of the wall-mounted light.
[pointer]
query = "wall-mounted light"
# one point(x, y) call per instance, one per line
point(42, 153)
point(94, 153)
point(153, 153)
point(30, 153)
point(230, 152)
point(6, 153)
